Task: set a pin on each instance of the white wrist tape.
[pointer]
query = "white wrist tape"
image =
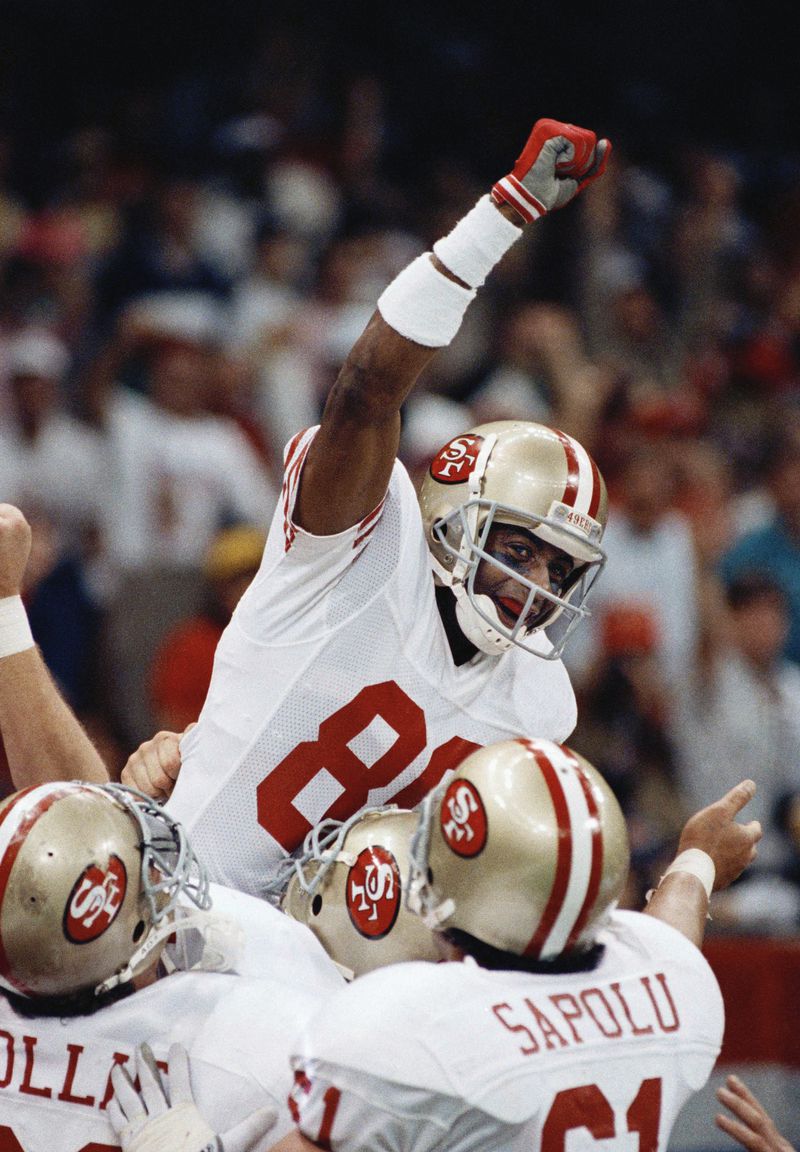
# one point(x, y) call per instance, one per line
point(477, 243)
point(696, 863)
point(423, 305)
point(15, 631)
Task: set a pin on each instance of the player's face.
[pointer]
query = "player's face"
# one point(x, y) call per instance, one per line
point(534, 560)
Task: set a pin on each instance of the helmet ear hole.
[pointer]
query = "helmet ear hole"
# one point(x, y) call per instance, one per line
point(138, 931)
point(316, 905)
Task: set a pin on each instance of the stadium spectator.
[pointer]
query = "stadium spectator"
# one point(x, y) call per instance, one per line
point(624, 712)
point(651, 563)
point(774, 547)
point(181, 669)
point(739, 706)
point(50, 462)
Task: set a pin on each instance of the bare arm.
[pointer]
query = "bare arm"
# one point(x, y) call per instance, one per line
point(347, 469)
point(348, 466)
point(680, 899)
point(42, 736)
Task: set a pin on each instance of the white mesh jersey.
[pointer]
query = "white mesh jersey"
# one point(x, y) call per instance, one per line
point(334, 687)
point(239, 1031)
point(455, 1057)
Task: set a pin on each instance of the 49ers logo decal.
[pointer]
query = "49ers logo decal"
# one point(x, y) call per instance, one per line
point(463, 819)
point(95, 900)
point(374, 892)
point(453, 463)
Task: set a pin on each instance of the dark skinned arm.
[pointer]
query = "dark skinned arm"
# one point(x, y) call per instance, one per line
point(348, 466)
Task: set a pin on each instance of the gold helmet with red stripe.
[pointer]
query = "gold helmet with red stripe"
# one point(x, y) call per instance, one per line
point(90, 876)
point(348, 887)
point(523, 847)
point(524, 474)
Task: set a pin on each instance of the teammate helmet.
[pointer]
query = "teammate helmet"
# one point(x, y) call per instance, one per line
point(514, 472)
point(523, 847)
point(348, 888)
point(89, 877)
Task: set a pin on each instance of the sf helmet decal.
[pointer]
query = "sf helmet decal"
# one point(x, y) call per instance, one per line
point(374, 892)
point(94, 901)
point(453, 463)
point(463, 819)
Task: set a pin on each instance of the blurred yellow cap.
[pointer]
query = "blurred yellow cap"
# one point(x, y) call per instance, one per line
point(234, 551)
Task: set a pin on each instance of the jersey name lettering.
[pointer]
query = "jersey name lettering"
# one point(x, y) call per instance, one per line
point(639, 1008)
point(19, 1073)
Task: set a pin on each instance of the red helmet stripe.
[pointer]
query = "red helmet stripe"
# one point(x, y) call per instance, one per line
point(594, 503)
point(573, 469)
point(596, 870)
point(583, 487)
point(27, 819)
point(564, 851)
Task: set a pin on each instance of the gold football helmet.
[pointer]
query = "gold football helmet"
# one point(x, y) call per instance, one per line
point(348, 887)
point(514, 472)
point(523, 847)
point(89, 878)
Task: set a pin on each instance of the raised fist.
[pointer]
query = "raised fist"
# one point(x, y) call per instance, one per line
point(555, 164)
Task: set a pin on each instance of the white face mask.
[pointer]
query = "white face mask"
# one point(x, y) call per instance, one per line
point(204, 942)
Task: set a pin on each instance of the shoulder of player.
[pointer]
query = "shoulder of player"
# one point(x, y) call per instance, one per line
point(654, 939)
point(287, 938)
point(399, 995)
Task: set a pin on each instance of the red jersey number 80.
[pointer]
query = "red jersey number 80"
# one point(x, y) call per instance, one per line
point(332, 753)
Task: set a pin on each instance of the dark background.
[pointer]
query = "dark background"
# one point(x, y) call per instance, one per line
point(161, 76)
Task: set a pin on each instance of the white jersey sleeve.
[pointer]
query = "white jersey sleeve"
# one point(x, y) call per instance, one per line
point(298, 569)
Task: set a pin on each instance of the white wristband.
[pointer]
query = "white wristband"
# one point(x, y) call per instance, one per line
point(423, 305)
point(696, 863)
point(15, 631)
point(477, 242)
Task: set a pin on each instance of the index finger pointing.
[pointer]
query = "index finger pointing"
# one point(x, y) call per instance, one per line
point(739, 795)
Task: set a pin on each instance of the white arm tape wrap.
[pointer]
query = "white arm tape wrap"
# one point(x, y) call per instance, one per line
point(423, 305)
point(15, 631)
point(696, 863)
point(477, 243)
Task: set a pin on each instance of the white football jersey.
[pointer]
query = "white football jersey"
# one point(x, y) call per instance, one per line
point(334, 687)
point(239, 1031)
point(453, 1056)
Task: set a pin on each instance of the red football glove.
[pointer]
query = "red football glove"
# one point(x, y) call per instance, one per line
point(555, 164)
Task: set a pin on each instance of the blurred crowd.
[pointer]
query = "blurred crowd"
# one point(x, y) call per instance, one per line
point(168, 322)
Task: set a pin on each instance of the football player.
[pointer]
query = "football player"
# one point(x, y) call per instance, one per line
point(385, 636)
point(108, 938)
point(563, 1014)
point(557, 1012)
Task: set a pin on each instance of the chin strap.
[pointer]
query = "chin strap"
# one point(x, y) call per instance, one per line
point(477, 630)
point(204, 942)
point(140, 959)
